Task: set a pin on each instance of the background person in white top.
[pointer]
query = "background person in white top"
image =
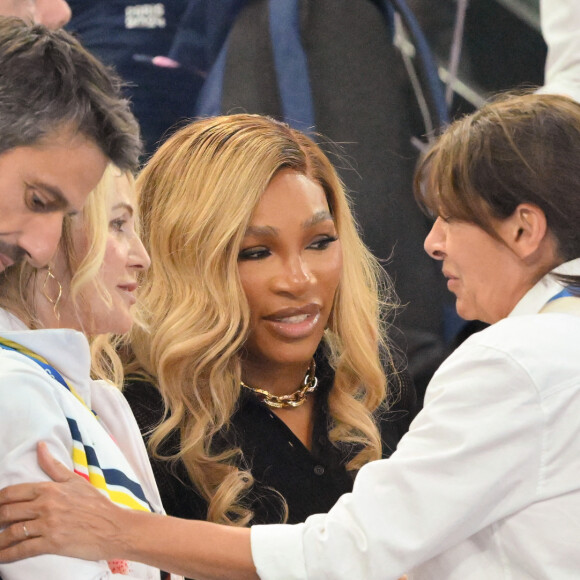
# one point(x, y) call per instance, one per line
point(560, 21)
point(62, 118)
point(486, 484)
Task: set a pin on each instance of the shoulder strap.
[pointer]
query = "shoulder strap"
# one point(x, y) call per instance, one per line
point(291, 65)
point(434, 94)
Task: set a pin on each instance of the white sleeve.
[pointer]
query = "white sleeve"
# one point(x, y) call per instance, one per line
point(116, 416)
point(560, 20)
point(470, 458)
point(30, 412)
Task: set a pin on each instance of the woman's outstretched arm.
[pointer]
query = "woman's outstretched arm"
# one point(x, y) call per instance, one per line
point(72, 518)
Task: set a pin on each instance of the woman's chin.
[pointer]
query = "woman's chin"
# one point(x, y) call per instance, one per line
point(117, 324)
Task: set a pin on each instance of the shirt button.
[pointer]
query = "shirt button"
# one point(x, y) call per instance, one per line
point(318, 469)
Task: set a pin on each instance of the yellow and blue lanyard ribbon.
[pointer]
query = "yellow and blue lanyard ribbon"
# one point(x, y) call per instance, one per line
point(113, 482)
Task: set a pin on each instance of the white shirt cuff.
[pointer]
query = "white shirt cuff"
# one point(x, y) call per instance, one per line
point(278, 552)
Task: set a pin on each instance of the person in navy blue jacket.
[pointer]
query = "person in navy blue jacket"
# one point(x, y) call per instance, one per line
point(129, 35)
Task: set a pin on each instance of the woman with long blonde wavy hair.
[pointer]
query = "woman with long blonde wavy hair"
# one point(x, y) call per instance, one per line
point(56, 387)
point(259, 376)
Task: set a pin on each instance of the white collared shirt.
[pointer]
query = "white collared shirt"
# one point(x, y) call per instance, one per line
point(486, 484)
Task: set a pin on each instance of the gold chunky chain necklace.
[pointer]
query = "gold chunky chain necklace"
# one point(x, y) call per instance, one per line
point(295, 399)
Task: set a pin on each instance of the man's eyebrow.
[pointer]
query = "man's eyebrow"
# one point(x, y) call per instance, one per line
point(58, 201)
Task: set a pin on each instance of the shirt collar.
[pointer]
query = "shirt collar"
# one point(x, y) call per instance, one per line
point(10, 322)
point(535, 298)
point(65, 349)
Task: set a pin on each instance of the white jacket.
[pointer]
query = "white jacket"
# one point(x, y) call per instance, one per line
point(35, 407)
point(560, 21)
point(486, 483)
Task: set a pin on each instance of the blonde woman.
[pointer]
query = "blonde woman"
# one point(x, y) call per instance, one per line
point(46, 391)
point(265, 344)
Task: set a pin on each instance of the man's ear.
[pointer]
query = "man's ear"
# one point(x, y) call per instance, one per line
point(526, 230)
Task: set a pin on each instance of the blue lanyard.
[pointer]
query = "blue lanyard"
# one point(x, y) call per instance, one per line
point(44, 364)
point(565, 293)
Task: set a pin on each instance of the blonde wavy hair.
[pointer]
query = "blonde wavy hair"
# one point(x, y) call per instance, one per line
point(198, 193)
point(18, 283)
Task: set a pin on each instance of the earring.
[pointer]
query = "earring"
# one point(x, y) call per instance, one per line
point(53, 301)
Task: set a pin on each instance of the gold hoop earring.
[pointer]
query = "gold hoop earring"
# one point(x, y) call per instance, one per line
point(53, 301)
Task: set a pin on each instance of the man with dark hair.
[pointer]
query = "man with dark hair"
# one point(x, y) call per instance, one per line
point(62, 119)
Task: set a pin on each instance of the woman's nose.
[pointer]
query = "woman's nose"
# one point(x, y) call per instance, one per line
point(294, 276)
point(435, 241)
point(139, 258)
